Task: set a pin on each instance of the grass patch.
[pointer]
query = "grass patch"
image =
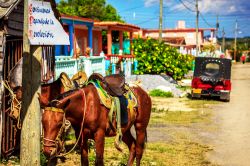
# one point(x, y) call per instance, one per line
point(198, 104)
point(179, 117)
point(183, 152)
point(160, 93)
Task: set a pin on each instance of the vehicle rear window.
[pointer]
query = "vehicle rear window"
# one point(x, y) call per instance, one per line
point(212, 68)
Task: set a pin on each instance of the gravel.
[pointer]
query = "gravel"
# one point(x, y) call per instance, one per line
point(150, 82)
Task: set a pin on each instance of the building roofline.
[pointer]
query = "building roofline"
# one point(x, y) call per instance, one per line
point(116, 25)
point(76, 18)
point(180, 30)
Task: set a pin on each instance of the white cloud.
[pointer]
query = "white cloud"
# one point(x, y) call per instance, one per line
point(148, 3)
point(206, 6)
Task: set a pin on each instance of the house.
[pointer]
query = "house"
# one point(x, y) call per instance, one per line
point(181, 36)
point(82, 35)
point(85, 34)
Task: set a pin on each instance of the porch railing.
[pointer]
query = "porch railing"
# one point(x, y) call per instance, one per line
point(94, 64)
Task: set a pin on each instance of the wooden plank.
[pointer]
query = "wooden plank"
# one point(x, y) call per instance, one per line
point(1, 87)
point(18, 17)
point(15, 25)
point(14, 32)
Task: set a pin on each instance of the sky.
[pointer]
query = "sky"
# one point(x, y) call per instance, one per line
point(145, 13)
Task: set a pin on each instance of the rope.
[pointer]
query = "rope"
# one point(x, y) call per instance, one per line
point(84, 112)
point(13, 106)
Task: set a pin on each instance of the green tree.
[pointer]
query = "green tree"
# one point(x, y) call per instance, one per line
point(94, 9)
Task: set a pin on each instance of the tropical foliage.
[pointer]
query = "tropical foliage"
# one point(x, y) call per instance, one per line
point(97, 9)
point(155, 58)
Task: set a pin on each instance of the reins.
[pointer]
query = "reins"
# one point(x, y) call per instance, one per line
point(63, 125)
point(84, 112)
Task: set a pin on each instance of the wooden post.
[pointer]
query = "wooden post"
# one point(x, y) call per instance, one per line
point(131, 42)
point(160, 21)
point(121, 40)
point(31, 76)
point(109, 41)
point(2, 52)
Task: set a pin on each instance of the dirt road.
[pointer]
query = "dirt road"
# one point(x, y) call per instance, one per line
point(232, 141)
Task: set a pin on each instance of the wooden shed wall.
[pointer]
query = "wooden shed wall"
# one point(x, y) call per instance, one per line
point(14, 24)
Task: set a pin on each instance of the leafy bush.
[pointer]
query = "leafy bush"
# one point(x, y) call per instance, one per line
point(155, 58)
point(160, 93)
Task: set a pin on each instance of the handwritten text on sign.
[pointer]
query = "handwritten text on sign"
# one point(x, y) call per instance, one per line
point(44, 28)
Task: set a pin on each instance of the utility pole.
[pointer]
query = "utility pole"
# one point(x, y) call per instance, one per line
point(235, 39)
point(160, 21)
point(30, 115)
point(217, 27)
point(223, 40)
point(197, 28)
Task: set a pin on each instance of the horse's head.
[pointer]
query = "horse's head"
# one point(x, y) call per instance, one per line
point(53, 121)
point(49, 91)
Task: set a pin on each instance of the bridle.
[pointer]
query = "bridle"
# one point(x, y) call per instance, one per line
point(58, 142)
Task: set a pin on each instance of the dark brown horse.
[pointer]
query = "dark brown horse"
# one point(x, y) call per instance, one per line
point(89, 118)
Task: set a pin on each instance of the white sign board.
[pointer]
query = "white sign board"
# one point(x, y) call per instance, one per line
point(44, 28)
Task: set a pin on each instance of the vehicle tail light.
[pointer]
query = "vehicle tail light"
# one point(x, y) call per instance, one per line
point(195, 82)
point(227, 85)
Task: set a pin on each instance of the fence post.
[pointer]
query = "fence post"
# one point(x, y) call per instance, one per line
point(113, 68)
point(87, 66)
point(125, 67)
point(129, 67)
point(135, 65)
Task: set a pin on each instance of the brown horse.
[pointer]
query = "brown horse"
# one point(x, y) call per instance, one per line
point(89, 118)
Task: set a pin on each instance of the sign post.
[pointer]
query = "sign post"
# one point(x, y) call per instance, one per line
point(40, 28)
point(30, 133)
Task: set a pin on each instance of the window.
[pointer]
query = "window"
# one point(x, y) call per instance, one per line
point(212, 69)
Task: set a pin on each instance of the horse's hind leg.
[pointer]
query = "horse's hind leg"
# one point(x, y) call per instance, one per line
point(99, 145)
point(140, 143)
point(129, 140)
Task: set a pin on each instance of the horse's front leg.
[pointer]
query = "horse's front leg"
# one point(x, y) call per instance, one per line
point(84, 151)
point(99, 145)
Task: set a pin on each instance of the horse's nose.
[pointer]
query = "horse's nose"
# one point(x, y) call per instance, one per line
point(47, 152)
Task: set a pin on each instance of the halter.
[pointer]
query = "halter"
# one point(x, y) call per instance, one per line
point(58, 142)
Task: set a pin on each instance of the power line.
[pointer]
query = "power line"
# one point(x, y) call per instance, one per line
point(186, 6)
point(142, 22)
point(129, 9)
point(202, 17)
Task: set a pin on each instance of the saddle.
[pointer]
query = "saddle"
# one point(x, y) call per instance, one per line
point(114, 84)
point(75, 82)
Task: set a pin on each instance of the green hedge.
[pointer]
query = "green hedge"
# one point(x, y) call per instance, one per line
point(156, 58)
